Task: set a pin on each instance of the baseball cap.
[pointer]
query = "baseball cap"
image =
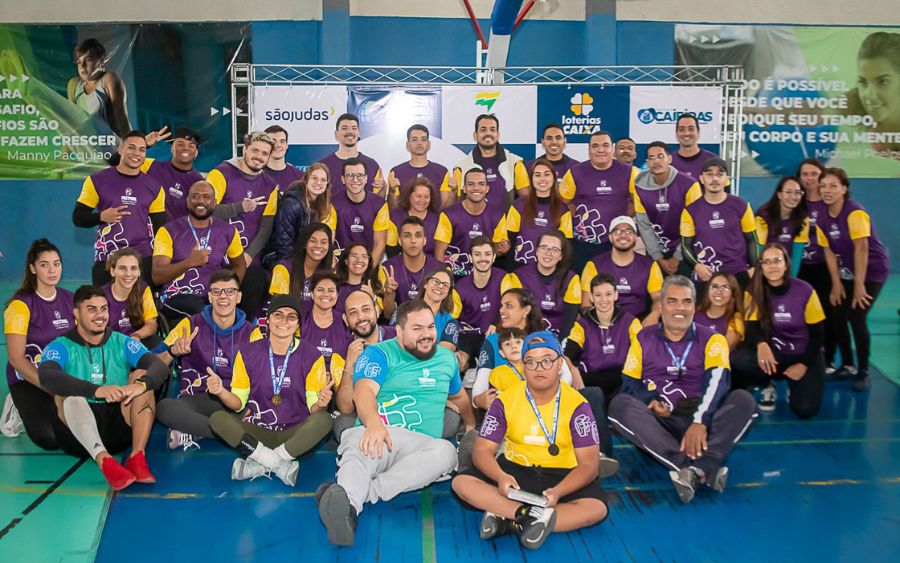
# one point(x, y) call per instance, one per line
point(541, 339)
point(185, 133)
point(715, 161)
point(281, 301)
point(622, 220)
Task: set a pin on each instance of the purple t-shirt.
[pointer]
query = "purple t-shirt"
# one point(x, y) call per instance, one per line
point(664, 208)
point(408, 283)
point(431, 223)
point(605, 347)
point(239, 186)
point(47, 320)
point(480, 305)
point(335, 171)
point(331, 340)
point(692, 166)
point(790, 333)
point(118, 318)
point(719, 240)
point(631, 281)
point(435, 173)
point(355, 221)
point(292, 408)
point(719, 326)
point(837, 230)
point(285, 177)
point(217, 238)
point(600, 197)
point(548, 297)
point(137, 193)
point(176, 183)
point(466, 227)
point(659, 368)
point(530, 232)
point(813, 253)
point(210, 348)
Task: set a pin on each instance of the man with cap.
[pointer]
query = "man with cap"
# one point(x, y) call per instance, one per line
point(675, 401)
point(551, 450)
point(284, 173)
point(280, 419)
point(401, 388)
point(718, 231)
point(638, 278)
point(178, 174)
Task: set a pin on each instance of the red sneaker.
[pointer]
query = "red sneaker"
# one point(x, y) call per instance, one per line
point(119, 477)
point(137, 464)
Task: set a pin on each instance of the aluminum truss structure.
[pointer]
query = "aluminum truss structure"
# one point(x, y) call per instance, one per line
point(245, 77)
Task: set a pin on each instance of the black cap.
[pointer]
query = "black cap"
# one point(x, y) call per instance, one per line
point(281, 301)
point(715, 161)
point(189, 134)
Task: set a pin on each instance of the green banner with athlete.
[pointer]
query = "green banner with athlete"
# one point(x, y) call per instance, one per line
point(68, 93)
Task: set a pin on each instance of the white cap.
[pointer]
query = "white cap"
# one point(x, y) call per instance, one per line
point(622, 220)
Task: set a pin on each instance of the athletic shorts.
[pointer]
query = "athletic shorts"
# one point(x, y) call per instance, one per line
point(114, 431)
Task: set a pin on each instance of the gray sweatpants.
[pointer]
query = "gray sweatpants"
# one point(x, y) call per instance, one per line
point(189, 413)
point(661, 436)
point(415, 461)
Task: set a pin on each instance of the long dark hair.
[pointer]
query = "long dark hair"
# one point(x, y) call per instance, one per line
point(298, 273)
point(535, 319)
point(447, 303)
point(760, 290)
point(29, 278)
point(557, 205)
point(134, 306)
point(771, 210)
point(735, 305)
point(407, 190)
point(565, 258)
point(369, 277)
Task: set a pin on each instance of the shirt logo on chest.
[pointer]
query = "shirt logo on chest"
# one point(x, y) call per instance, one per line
point(59, 323)
point(716, 222)
point(128, 198)
point(834, 232)
point(176, 190)
point(475, 231)
point(425, 380)
point(781, 315)
point(603, 189)
point(549, 302)
point(624, 286)
point(357, 227)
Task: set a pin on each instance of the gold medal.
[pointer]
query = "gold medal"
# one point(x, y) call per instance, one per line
point(276, 399)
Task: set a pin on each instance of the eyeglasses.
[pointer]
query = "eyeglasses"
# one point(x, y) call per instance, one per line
point(282, 317)
point(719, 287)
point(550, 249)
point(439, 283)
point(531, 364)
point(229, 291)
point(772, 261)
point(358, 256)
point(619, 232)
point(355, 176)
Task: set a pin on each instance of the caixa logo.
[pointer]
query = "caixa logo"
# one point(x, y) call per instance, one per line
point(670, 116)
point(291, 115)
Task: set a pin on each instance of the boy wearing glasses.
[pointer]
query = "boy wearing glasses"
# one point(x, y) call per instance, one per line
point(361, 217)
point(551, 451)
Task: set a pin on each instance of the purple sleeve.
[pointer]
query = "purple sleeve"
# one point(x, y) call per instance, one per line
point(494, 426)
point(583, 427)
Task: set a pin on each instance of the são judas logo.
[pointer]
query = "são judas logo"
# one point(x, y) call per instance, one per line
point(580, 122)
point(291, 115)
point(669, 116)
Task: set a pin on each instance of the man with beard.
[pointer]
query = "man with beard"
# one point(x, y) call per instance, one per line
point(178, 174)
point(554, 142)
point(506, 173)
point(401, 388)
point(638, 278)
point(479, 294)
point(346, 133)
point(188, 250)
point(284, 173)
point(418, 144)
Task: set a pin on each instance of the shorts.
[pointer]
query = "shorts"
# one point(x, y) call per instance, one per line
point(538, 479)
point(114, 431)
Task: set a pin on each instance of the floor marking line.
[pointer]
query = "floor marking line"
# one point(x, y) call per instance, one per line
point(37, 502)
point(429, 547)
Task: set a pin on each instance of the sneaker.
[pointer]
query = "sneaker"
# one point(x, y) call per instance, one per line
point(10, 421)
point(536, 524)
point(137, 464)
point(338, 515)
point(686, 480)
point(861, 382)
point(181, 440)
point(767, 398)
point(608, 466)
point(287, 471)
point(845, 372)
point(320, 490)
point(243, 469)
point(830, 370)
point(116, 474)
point(717, 483)
point(466, 447)
point(494, 525)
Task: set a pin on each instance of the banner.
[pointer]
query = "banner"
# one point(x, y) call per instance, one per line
point(831, 93)
point(514, 106)
point(68, 93)
point(654, 111)
point(309, 115)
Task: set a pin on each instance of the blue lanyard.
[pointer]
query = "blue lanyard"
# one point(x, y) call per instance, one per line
point(679, 362)
point(201, 244)
point(550, 437)
point(278, 380)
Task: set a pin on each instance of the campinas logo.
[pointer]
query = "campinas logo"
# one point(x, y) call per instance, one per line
point(670, 115)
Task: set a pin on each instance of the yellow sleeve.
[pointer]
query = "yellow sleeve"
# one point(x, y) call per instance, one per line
point(444, 230)
point(567, 187)
point(634, 362)
point(338, 363)
point(577, 334)
point(500, 232)
point(256, 334)
point(16, 318)
point(752, 310)
point(89, 195)
point(587, 276)
point(315, 381)
point(803, 235)
point(687, 224)
point(520, 175)
point(383, 219)
point(159, 204)
point(272, 204)
point(393, 235)
point(382, 274)
point(458, 174)
point(737, 324)
point(148, 162)
point(655, 281)
point(390, 182)
point(573, 292)
point(240, 381)
point(457, 305)
point(693, 194)
point(717, 353)
point(821, 238)
point(162, 243)
point(638, 204)
point(748, 224)
point(513, 220)
point(634, 328)
point(860, 225)
point(508, 282)
point(634, 174)
point(218, 182)
point(148, 305)
point(445, 184)
point(331, 221)
point(813, 312)
point(565, 224)
point(762, 230)
point(183, 328)
point(235, 249)
point(281, 280)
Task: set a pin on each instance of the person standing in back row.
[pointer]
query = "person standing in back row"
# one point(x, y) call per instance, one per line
point(346, 133)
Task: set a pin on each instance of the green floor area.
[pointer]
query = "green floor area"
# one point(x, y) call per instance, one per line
point(884, 324)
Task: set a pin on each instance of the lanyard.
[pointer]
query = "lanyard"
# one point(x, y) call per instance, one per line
point(278, 380)
point(679, 362)
point(202, 244)
point(550, 437)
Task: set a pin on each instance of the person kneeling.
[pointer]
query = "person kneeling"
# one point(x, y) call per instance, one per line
point(558, 467)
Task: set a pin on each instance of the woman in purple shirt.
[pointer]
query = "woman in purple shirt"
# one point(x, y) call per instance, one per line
point(131, 308)
point(323, 327)
point(37, 313)
point(356, 268)
point(416, 200)
point(721, 308)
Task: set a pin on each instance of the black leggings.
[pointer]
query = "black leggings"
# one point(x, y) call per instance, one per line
point(806, 394)
point(609, 380)
point(843, 314)
point(37, 411)
point(817, 276)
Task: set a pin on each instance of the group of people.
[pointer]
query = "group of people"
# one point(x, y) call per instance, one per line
point(551, 301)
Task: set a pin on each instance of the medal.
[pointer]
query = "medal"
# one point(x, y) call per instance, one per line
point(276, 399)
point(553, 449)
point(278, 375)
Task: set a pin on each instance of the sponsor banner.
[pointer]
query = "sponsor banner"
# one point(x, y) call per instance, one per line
point(514, 106)
point(309, 115)
point(653, 111)
point(583, 110)
point(392, 110)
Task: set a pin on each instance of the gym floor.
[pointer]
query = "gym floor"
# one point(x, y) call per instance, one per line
point(821, 490)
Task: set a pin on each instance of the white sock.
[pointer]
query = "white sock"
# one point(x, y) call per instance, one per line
point(80, 420)
point(264, 456)
point(283, 454)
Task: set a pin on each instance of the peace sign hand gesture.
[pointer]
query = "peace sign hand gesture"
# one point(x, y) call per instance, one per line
point(390, 282)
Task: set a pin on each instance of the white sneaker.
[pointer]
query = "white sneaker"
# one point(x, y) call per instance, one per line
point(10, 422)
point(243, 469)
point(767, 399)
point(178, 439)
point(287, 471)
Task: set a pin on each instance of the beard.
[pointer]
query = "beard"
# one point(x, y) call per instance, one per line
point(418, 354)
point(372, 328)
point(203, 216)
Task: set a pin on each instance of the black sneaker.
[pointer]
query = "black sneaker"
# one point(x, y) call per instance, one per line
point(494, 525)
point(464, 452)
point(535, 524)
point(686, 480)
point(861, 381)
point(337, 514)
